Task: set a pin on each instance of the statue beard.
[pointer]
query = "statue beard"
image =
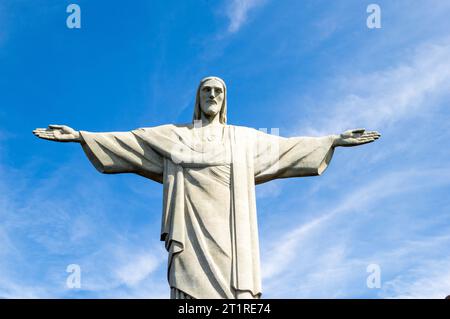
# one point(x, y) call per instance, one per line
point(211, 112)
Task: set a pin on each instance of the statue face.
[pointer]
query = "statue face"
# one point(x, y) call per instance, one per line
point(211, 97)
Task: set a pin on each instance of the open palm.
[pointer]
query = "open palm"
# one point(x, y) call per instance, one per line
point(58, 133)
point(356, 137)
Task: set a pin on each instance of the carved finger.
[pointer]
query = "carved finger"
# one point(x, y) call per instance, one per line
point(370, 136)
point(56, 126)
point(374, 133)
point(358, 130)
point(47, 138)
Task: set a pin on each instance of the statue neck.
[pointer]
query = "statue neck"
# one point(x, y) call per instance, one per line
point(210, 121)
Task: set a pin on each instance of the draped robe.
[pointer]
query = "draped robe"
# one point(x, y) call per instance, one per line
point(209, 222)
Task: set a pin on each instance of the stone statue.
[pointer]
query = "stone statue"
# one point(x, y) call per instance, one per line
point(209, 170)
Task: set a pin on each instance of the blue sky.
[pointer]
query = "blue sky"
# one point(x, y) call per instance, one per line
point(305, 67)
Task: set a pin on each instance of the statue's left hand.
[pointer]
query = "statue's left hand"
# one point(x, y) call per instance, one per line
point(58, 133)
point(356, 137)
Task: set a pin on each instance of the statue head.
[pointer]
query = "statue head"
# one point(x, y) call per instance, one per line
point(211, 99)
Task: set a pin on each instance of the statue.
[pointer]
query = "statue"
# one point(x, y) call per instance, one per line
point(209, 170)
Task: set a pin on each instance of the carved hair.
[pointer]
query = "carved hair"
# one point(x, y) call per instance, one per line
point(223, 109)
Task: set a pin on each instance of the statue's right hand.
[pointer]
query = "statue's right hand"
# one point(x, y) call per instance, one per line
point(58, 133)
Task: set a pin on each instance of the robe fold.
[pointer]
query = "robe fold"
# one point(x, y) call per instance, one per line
point(209, 221)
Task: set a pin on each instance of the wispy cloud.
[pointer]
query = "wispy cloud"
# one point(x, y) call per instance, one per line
point(321, 252)
point(138, 267)
point(269, 190)
point(317, 258)
point(381, 99)
point(430, 280)
point(49, 224)
point(237, 12)
point(365, 196)
point(396, 215)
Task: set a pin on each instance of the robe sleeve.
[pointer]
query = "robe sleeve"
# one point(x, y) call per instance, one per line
point(122, 152)
point(281, 157)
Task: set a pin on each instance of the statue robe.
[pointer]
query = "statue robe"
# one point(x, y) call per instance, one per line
point(209, 221)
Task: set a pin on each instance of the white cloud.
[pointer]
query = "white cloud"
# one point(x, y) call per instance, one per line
point(137, 268)
point(50, 224)
point(311, 260)
point(431, 280)
point(237, 12)
point(292, 262)
point(269, 190)
point(383, 98)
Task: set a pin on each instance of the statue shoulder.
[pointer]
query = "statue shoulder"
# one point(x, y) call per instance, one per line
point(245, 130)
point(165, 129)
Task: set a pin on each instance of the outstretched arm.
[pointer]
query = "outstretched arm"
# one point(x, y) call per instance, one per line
point(279, 157)
point(355, 137)
point(112, 152)
point(58, 133)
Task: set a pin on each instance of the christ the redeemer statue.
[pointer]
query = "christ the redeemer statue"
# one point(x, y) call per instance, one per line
point(209, 170)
